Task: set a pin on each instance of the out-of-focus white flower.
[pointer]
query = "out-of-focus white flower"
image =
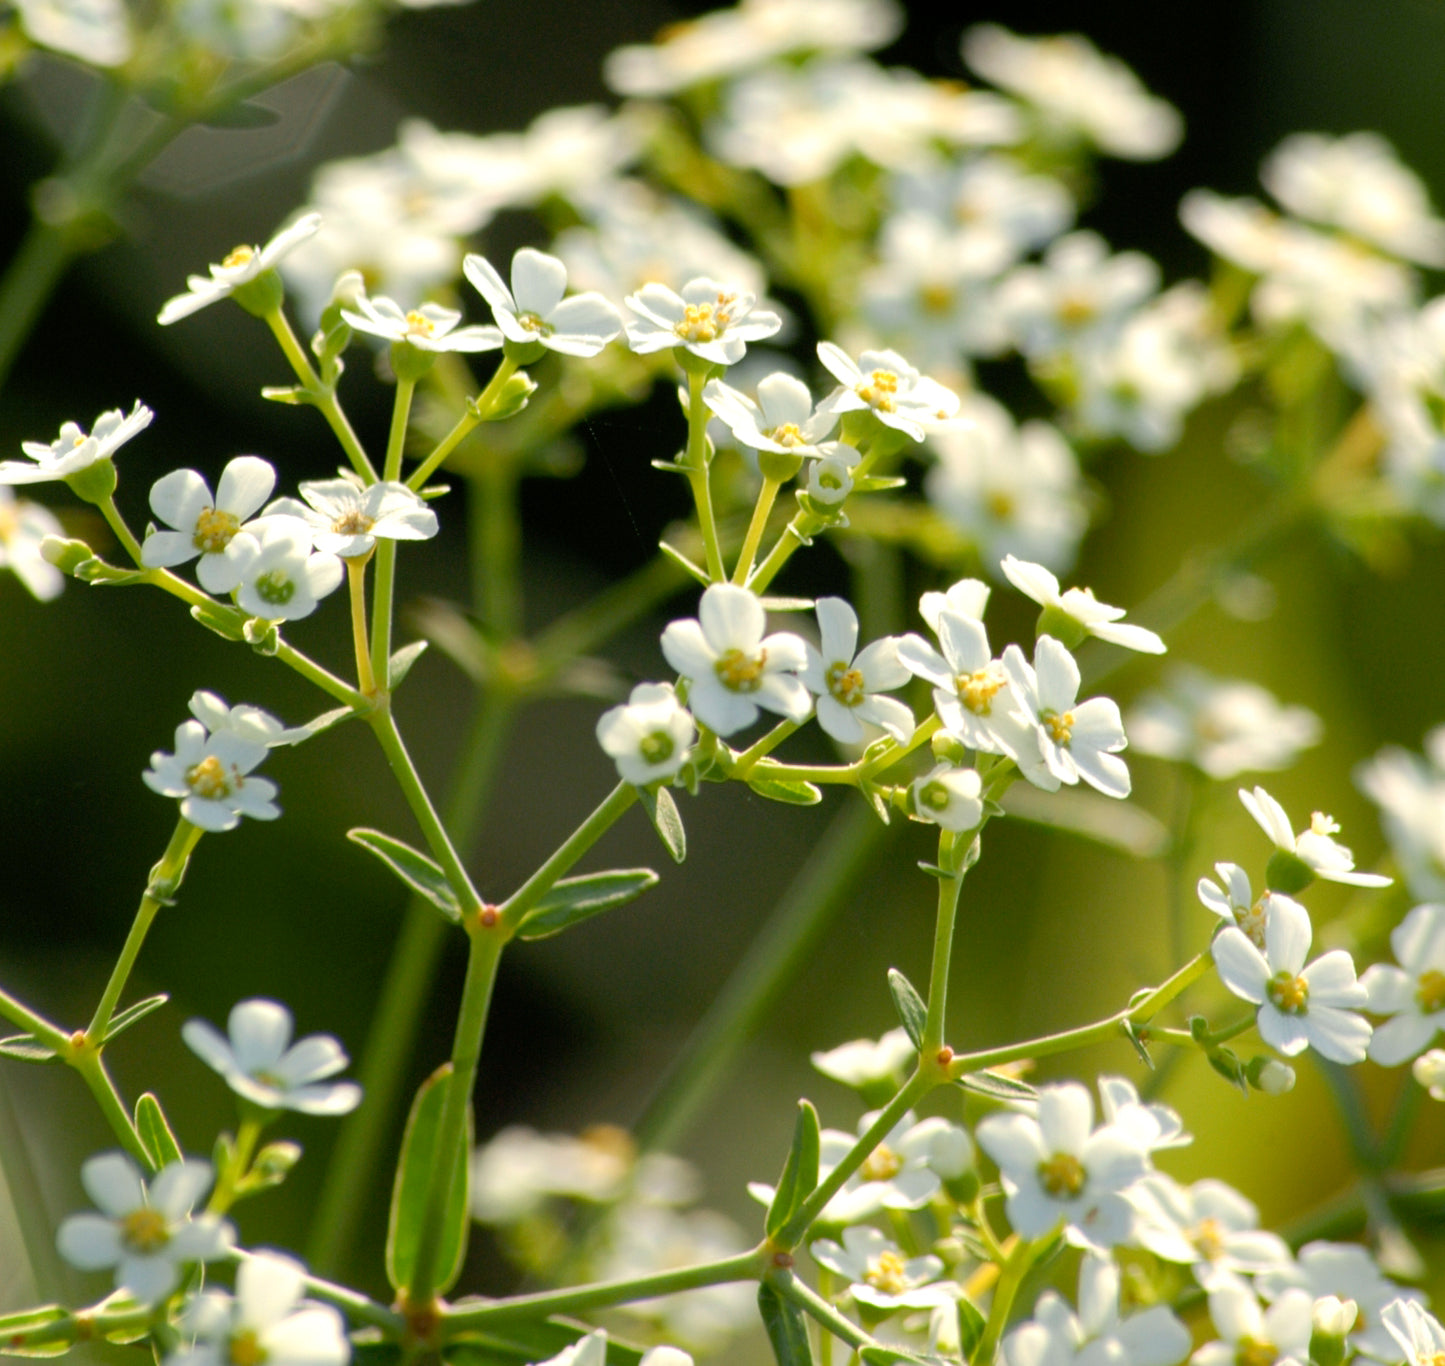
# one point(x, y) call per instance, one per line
point(650, 736)
point(244, 721)
point(1429, 1070)
point(1221, 726)
point(1076, 91)
point(534, 309)
point(1153, 1124)
point(1314, 849)
point(211, 776)
point(1209, 1226)
point(713, 321)
point(73, 450)
point(519, 1169)
point(95, 31)
point(1083, 611)
point(346, 517)
point(212, 528)
point(241, 265)
point(260, 1064)
point(1277, 1336)
point(879, 1275)
point(1410, 792)
point(430, 327)
point(1417, 1332)
point(864, 1062)
point(1413, 994)
point(23, 526)
point(1234, 903)
point(949, 797)
point(849, 683)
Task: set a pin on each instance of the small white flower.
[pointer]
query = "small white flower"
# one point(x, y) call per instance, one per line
point(23, 526)
point(1233, 901)
point(1084, 611)
point(1410, 792)
point(879, 1275)
point(534, 309)
point(285, 580)
point(267, 1321)
point(244, 721)
point(1057, 1168)
point(260, 1064)
point(1313, 847)
point(849, 688)
point(781, 420)
point(897, 1174)
point(949, 797)
point(144, 1230)
point(1417, 1331)
point(1154, 1125)
point(863, 1063)
point(73, 451)
point(731, 667)
point(713, 321)
point(1277, 1336)
point(241, 266)
point(1413, 994)
point(650, 736)
point(213, 528)
point(1429, 1070)
point(346, 518)
point(590, 1350)
point(830, 478)
point(211, 776)
point(518, 1169)
point(1208, 1225)
point(95, 31)
point(887, 385)
point(430, 327)
point(1299, 1006)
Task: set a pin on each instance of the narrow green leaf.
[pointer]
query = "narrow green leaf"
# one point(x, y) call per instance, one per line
point(156, 1135)
point(17, 1329)
point(784, 790)
point(662, 812)
point(879, 804)
point(419, 1158)
point(787, 1328)
point(800, 1171)
point(528, 1342)
point(123, 1019)
point(909, 1004)
point(404, 658)
point(97, 571)
point(1131, 1033)
point(26, 1048)
point(997, 1087)
point(970, 1327)
point(575, 899)
point(413, 867)
point(933, 870)
point(676, 556)
point(882, 1354)
point(286, 393)
point(878, 483)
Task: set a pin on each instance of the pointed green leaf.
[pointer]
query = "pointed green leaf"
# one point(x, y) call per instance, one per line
point(413, 867)
point(156, 1135)
point(26, 1048)
point(575, 899)
point(662, 812)
point(676, 556)
point(326, 720)
point(226, 622)
point(787, 1328)
point(878, 483)
point(879, 804)
point(800, 1171)
point(909, 1005)
point(996, 1086)
point(785, 790)
point(419, 1159)
point(33, 1332)
point(970, 1328)
point(404, 658)
point(883, 1354)
point(123, 1019)
point(1131, 1033)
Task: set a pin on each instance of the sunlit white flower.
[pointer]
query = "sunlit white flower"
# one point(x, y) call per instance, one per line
point(732, 668)
point(1410, 792)
point(95, 31)
point(1429, 1070)
point(1083, 610)
point(346, 518)
point(864, 1063)
point(1056, 1168)
point(1313, 847)
point(284, 580)
point(1413, 994)
point(23, 526)
point(73, 450)
point(897, 1174)
point(1153, 1124)
point(260, 1064)
point(211, 775)
point(1299, 1007)
point(267, 1320)
point(949, 797)
point(242, 265)
point(431, 327)
point(879, 1275)
point(534, 309)
point(1233, 901)
point(967, 598)
point(781, 420)
point(849, 683)
point(713, 321)
point(649, 737)
point(243, 721)
point(830, 478)
point(887, 385)
point(1209, 1226)
point(1417, 1332)
point(144, 1230)
point(212, 528)
point(1277, 1336)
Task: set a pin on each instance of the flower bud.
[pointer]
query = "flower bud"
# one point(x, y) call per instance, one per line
point(948, 748)
point(779, 466)
point(1287, 872)
point(95, 483)
point(1429, 1070)
point(1270, 1075)
point(66, 555)
point(513, 397)
point(1331, 1319)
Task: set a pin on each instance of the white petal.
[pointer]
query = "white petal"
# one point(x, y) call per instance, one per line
point(538, 281)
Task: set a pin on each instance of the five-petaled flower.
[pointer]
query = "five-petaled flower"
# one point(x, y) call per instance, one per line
point(213, 528)
point(241, 266)
point(649, 736)
point(73, 450)
point(211, 776)
point(534, 309)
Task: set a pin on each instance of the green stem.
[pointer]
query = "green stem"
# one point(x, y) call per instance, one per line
point(247, 1134)
point(1402, 1121)
point(818, 1309)
point(762, 748)
point(52, 1036)
point(496, 527)
point(695, 460)
point(585, 627)
point(324, 679)
point(601, 1295)
point(478, 411)
point(383, 595)
point(92, 1071)
point(514, 909)
point(1005, 1292)
point(356, 585)
point(798, 532)
point(122, 532)
point(934, 1025)
point(31, 277)
point(764, 506)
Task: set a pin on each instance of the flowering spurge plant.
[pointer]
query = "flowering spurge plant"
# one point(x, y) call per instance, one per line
point(931, 231)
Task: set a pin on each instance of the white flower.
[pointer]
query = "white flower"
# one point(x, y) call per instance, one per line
point(1208, 1225)
point(1413, 993)
point(1417, 1331)
point(210, 775)
point(1075, 740)
point(1277, 1336)
point(830, 478)
point(144, 1230)
point(848, 688)
point(1221, 726)
point(346, 517)
point(589, 1350)
point(713, 321)
point(431, 327)
point(1057, 1168)
point(284, 580)
point(267, 1321)
point(1429, 1070)
point(73, 451)
point(1084, 611)
point(241, 266)
point(1313, 847)
point(95, 31)
point(260, 1063)
point(533, 310)
point(650, 736)
point(949, 797)
point(966, 598)
point(1410, 792)
point(23, 526)
point(1299, 1006)
point(518, 1169)
point(1234, 902)
point(863, 1063)
point(897, 1174)
point(781, 420)
point(213, 528)
point(732, 669)
point(244, 721)
point(879, 1275)
point(1153, 1125)
point(885, 384)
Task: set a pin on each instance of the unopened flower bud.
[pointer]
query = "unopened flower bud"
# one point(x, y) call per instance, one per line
point(65, 555)
point(1429, 1070)
point(1331, 1318)
point(1270, 1075)
point(948, 748)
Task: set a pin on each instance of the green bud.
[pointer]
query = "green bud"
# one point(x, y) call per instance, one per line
point(947, 747)
point(261, 635)
point(262, 296)
point(1067, 630)
point(1288, 873)
point(963, 1190)
point(1227, 1064)
point(66, 555)
point(779, 466)
point(513, 397)
point(410, 363)
point(272, 1165)
point(1331, 1320)
point(95, 483)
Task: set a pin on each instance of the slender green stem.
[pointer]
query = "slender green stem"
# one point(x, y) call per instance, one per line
point(798, 532)
point(478, 411)
point(762, 748)
point(761, 510)
point(93, 1072)
point(496, 536)
point(1402, 1121)
point(818, 1309)
point(31, 277)
point(513, 910)
point(746, 1266)
point(52, 1036)
point(383, 597)
point(359, 1309)
point(396, 438)
point(695, 459)
point(122, 532)
point(1005, 1292)
point(323, 678)
point(356, 584)
point(248, 1132)
point(895, 752)
point(934, 1025)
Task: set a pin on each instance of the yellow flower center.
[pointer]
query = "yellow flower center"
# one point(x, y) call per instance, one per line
point(1431, 991)
point(882, 1164)
point(1000, 505)
point(1321, 824)
point(208, 779)
point(9, 522)
point(144, 1230)
point(1208, 1238)
point(1060, 726)
point(419, 325)
point(240, 256)
point(845, 684)
point(353, 523)
point(1062, 1175)
point(880, 390)
point(740, 673)
point(1289, 993)
point(936, 298)
point(534, 322)
point(977, 690)
point(787, 435)
point(1251, 921)
point(1075, 310)
point(214, 530)
point(886, 1273)
point(1255, 1352)
point(246, 1349)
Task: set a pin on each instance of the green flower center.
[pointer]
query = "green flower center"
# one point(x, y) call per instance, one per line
point(657, 747)
point(214, 530)
point(740, 673)
point(144, 1230)
point(935, 796)
point(275, 587)
point(1062, 1175)
point(1289, 993)
point(846, 684)
point(208, 779)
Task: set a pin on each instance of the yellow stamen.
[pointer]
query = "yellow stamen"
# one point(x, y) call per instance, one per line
point(1289, 993)
point(246, 1349)
point(214, 530)
point(977, 690)
point(738, 672)
point(418, 324)
point(239, 256)
point(1208, 1237)
point(787, 435)
point(700, 324)
point(1060, 726)
point(1431, 991)
point(144, 1230)
point(1062, 1174)
point(1255, 1352)
point(208, 779)
point(882, 1164)
point(880, 391)
point(886, 1273)
point(845, 684)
